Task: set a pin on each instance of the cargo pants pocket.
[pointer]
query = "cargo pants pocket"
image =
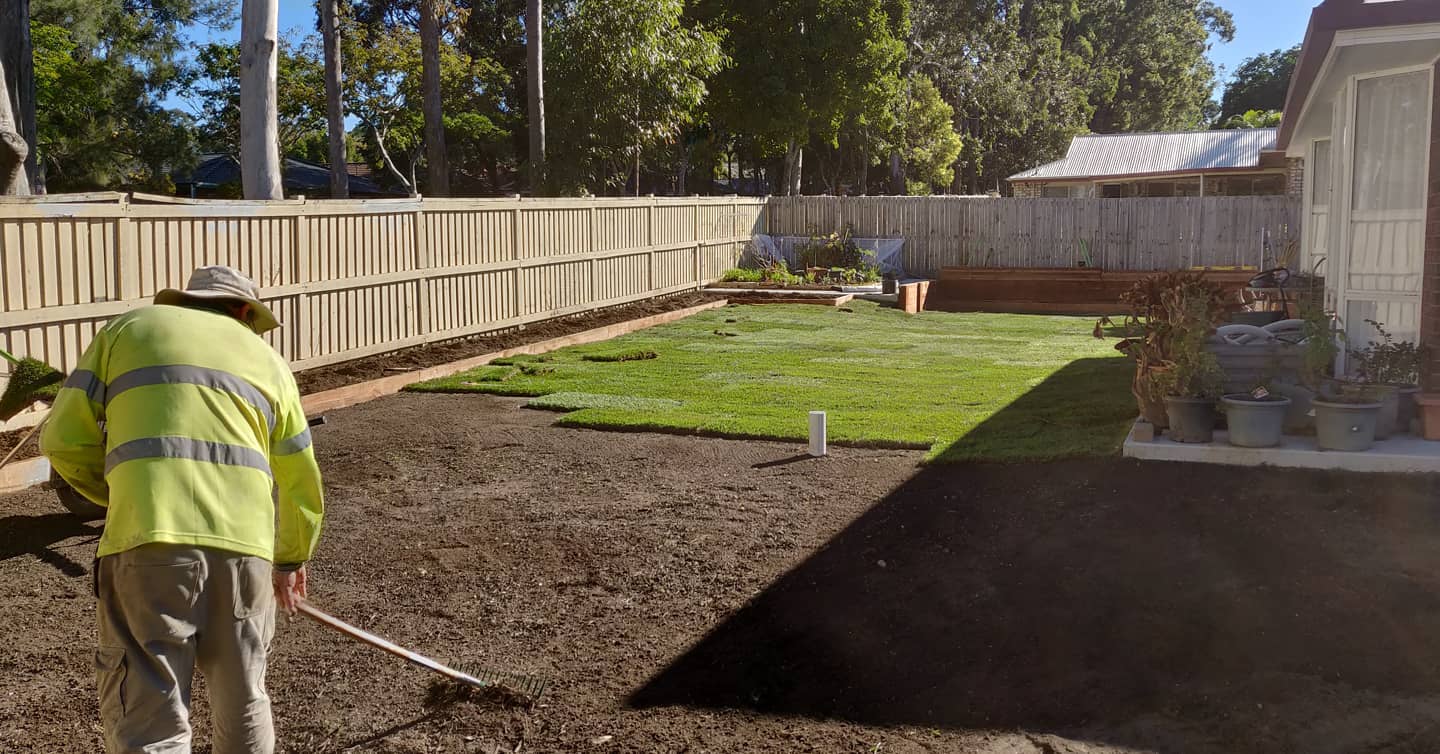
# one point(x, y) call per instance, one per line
point(110, 674)
point(254, 590)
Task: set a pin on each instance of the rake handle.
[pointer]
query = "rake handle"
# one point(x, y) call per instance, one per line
point(365, 637)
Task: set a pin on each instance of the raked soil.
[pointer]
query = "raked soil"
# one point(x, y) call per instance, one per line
point(685, 594)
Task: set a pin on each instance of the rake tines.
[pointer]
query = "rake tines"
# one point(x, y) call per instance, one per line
point(529, 685)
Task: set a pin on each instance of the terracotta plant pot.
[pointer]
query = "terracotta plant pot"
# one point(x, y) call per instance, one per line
point(1429, 407)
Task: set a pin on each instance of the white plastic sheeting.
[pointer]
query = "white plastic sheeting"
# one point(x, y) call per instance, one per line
point(763, 247)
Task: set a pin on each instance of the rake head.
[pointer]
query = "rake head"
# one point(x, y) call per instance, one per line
point(526, 685)
point(31, 380)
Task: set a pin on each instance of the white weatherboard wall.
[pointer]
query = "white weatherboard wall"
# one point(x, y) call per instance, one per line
point(355, 278)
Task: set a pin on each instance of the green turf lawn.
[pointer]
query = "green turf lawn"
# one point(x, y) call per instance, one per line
point(964, 386)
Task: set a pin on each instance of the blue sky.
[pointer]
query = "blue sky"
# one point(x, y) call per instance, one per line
point(1260, 26)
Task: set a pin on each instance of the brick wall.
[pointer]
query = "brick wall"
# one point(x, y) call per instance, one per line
point(1430, 286)
point(1027, 190)
point(1295, 177)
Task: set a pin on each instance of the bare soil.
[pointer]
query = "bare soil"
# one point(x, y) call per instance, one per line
point(687, 594)
point(433, 354)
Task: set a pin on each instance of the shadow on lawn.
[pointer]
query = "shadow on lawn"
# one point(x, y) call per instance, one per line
point(1084, 594)
point(1084, 408)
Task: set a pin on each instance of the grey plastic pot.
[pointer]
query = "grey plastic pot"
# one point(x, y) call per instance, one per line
point(1191, 419)
point(1298, 418)
point(1345, 426)
point(1409, 411)
point(1254, 423)
point(1388, 422)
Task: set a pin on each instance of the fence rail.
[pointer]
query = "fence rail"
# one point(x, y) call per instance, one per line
point(1117, 234)
point(355, 278)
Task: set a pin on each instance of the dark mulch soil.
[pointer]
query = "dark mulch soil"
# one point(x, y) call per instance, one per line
point(433, 354)
point(704, 595)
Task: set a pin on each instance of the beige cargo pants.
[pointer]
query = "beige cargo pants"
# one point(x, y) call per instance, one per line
point(161, 610)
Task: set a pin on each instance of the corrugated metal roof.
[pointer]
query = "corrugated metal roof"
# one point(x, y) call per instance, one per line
point(1099, 155)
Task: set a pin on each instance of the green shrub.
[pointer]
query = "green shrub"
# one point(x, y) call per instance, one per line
point(835, 250)
point(739, 275)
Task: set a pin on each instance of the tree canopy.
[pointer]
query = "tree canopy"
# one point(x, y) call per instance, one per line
point(1260, 83)
point(841, 96)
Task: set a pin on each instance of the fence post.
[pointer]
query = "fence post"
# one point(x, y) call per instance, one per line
point(424, 324)
point(590, 247)
point(521, 300)
point(127, 255)
point(650, 244)
point(300, 258)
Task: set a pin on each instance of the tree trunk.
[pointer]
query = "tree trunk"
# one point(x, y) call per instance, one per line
point(864, 182)
point(535, 83)
point(17, 100)
point(683, 172)
point(408, 183)
point(334, 106)
point(436, 164)
point(794, 161)
point(897, 174)
point(259, 120)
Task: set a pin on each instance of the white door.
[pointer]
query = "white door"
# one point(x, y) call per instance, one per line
point(1383, 230)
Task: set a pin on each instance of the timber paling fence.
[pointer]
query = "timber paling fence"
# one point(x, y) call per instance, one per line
point(1114, 234)
point(354, 278)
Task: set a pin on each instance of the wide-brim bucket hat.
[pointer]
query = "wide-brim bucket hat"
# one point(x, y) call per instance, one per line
point(221, 283)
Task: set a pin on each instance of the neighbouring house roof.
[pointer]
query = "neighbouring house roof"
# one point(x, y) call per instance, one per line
point(1333, 16)
point(1096, 156)
point(300, 176)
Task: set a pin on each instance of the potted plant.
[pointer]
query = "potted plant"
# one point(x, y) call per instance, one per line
point(1319, 348)
point(1152, 337)
point(1190, 379)
point(1394, 369)
point(1255, 419)
point(1345, 412)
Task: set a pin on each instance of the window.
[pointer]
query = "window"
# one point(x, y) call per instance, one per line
point(1320, 176)
point(1055, 192)
point(1390, 139)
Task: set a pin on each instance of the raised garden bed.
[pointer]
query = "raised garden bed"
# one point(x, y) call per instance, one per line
point(1047, 290)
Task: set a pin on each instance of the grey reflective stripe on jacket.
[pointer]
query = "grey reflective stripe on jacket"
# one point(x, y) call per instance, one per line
point(184, 374)
point(293, 444)
point(88, 382)
point(187, 448)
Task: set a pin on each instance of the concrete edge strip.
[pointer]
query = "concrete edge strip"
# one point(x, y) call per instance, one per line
point(20, 475)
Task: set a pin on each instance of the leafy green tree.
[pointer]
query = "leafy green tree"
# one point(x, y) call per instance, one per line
point(803, 70)
point(384, 92)
point(1260, 83)
point(1153, 71)
point(1025, 76)
point(624, 76)
point(929, 144)
point(102, 69)
point(300, 86)
point(1253, 119)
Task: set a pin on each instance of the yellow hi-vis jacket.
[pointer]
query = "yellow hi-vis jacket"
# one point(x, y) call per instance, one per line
point(201, 422)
